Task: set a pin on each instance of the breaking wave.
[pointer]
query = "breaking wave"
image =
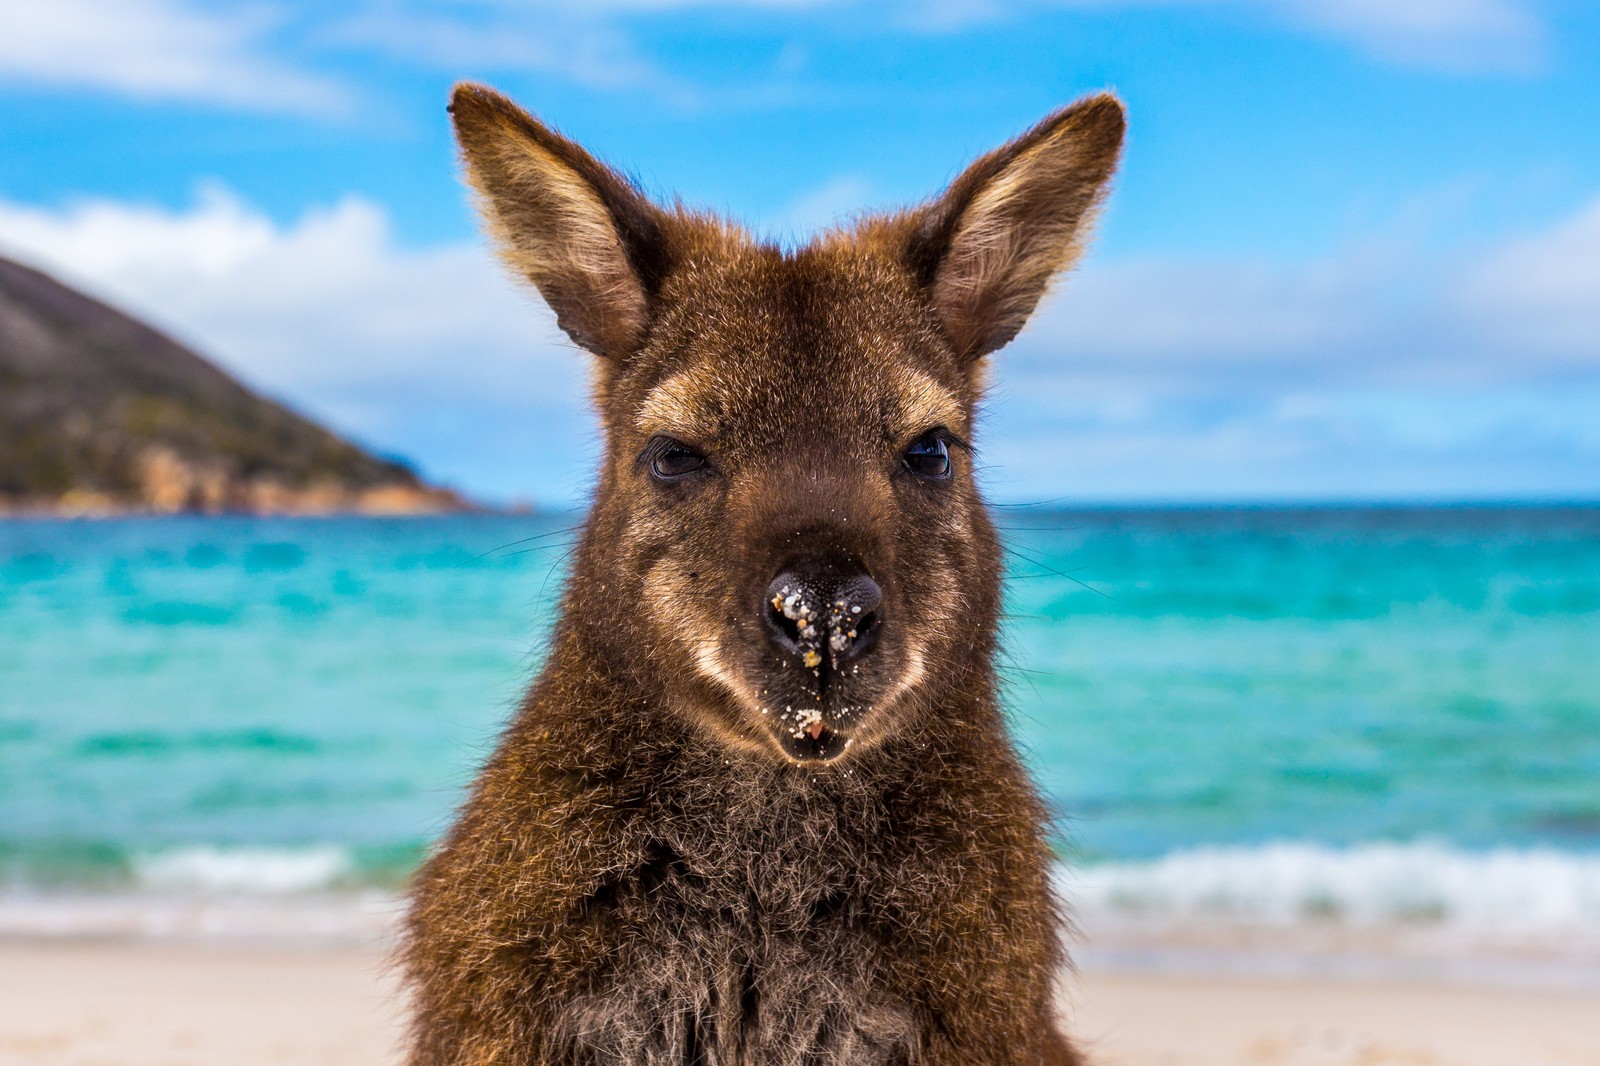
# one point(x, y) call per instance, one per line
point(249, 871)
point(1532, 897)
point(320, 893)
point(1427, 898)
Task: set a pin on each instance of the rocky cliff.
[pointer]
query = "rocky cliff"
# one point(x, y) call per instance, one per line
point(100, 413)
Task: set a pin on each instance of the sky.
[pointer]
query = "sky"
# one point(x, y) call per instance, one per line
point(1353, 252)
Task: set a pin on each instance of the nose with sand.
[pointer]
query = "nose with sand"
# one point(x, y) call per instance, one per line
point(820, 638)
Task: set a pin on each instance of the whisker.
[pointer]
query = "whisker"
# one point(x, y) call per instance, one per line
point(526, 540)
point(1067, 575)
point(1027, 505)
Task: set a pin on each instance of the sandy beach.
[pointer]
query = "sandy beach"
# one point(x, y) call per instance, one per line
point(144, 1005)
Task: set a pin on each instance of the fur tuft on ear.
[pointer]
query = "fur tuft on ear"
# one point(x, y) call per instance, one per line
point(988, 247)
point(582, 233)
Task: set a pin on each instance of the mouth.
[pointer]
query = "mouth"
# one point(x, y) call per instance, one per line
point(815, 733)
point(810, 741)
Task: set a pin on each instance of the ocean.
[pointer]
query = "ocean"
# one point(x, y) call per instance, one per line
point(1373, 725)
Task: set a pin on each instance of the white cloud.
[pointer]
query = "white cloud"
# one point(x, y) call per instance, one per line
point(1450, 35)
point(158, 50)
point(432, 352)
point(233, 55)
point(1526, 308)
point(1195, 311)
point(593, 44)
point(1541, 293)
point(574, 45)
point(833, 202)
point(1373, 370)
point(582, 41)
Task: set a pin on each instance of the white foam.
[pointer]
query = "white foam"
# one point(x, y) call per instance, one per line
point(1416, 900)
point(351, 918)
point(251, 871)
point(1537, 897)
point(206, 892)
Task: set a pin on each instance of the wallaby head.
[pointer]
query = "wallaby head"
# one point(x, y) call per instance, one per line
point(797, 556)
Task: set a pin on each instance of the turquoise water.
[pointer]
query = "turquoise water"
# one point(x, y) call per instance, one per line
point(1180, 679)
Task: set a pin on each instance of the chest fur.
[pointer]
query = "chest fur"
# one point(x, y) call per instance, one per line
point(712, 971)
point(735, 948)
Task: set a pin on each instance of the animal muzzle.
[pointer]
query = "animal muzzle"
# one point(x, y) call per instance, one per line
point(822, 615)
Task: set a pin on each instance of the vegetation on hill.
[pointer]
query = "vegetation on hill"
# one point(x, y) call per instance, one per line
point(100, 413)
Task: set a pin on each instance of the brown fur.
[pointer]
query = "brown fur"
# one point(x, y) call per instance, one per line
point(645, 871)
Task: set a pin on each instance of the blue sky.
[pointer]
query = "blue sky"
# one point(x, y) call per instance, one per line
point(1354, 251)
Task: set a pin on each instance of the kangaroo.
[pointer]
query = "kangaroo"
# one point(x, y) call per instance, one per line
point(761, 806)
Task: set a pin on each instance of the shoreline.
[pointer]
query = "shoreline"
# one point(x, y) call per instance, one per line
point(1286, 963)
point(1485, 974)
point(186, 1005)
point(1505, 918)
point(1153, 507)
point(98, 514)
point(1424, 911)
point(319, 924)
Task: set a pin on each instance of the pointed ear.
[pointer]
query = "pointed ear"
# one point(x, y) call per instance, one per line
point(987, 249)
point(585, 235)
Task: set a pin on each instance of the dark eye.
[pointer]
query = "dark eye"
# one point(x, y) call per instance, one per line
point(672, 460)
point(929, 456)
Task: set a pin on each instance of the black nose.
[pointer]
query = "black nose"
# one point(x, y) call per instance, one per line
point(823, 611)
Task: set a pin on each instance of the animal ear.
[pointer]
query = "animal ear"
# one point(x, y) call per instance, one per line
point(590, 241)
point(988, 247)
